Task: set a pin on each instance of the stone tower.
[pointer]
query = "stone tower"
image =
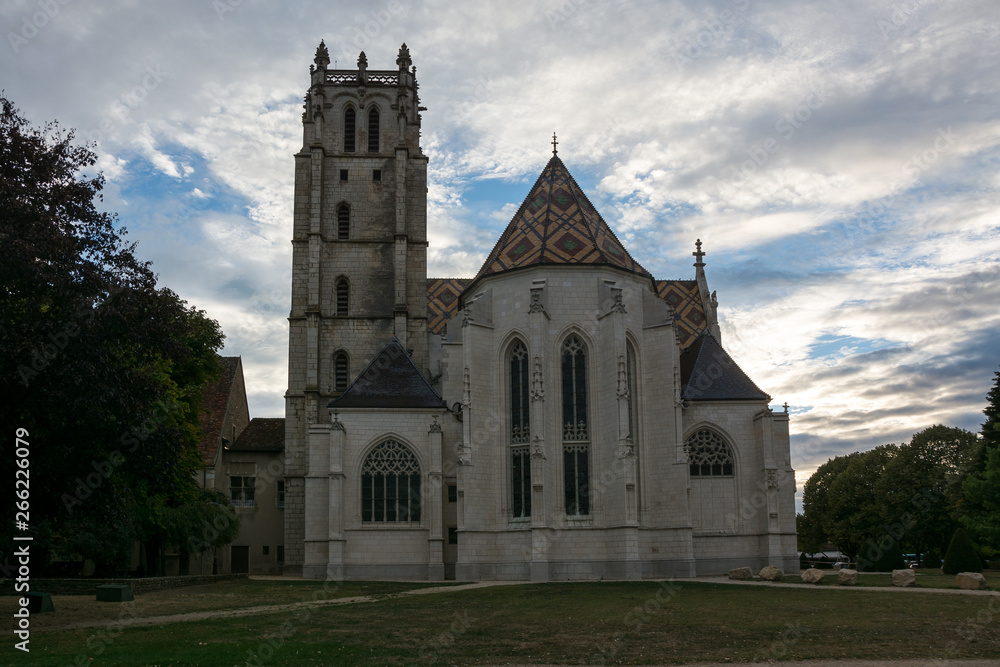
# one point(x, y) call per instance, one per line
point(359, 249)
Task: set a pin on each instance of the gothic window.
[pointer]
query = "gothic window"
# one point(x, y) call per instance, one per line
point(340, 371)
point(390, 485)
point(373, 130)
point(279, 495)
point(343, 222)
point(349, 130)
point(343, 296)
point(576, 430)
point(708, 454)
point(520, 432)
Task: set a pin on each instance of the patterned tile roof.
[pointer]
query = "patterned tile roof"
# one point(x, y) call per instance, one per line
point(557, 224)
point(442, 301)
point(214, 402)
point(390, 381)
point(683, 297)
point(262, 434)
point(708, 373)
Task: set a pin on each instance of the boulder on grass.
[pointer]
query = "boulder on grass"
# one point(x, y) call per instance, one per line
point(903, 578)
point(813, 576)
point(741, 574)
point(847, 577)
point(972, 581)
point(771, 573)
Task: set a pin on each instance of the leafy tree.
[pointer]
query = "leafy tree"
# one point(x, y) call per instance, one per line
point(855, 515)
point(921, 488)
point(883, 556)
point(961, 555)
point(991, 427)
point(102, 368)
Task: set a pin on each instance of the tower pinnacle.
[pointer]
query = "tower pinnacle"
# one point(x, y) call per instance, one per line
point(554, 144)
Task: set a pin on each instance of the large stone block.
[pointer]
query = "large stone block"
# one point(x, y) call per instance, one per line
point(972, 581)
point(771, 573)
point(904, 578)
point(813, 576)
point(847, 577)
point(741, 574)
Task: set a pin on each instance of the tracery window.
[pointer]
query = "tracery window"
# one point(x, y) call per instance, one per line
point(576, 430)
point(343, 222)
point(390, 484)
point(520, 432)
point(708, 454)
point(343, 296)
point(349, 130)
point(373, 130)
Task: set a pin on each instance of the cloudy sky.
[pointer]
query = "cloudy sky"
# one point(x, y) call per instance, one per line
point(839, 160)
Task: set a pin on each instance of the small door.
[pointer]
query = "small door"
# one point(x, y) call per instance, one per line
point(239, 560)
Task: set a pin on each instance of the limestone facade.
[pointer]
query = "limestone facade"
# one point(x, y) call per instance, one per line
point(580, 419)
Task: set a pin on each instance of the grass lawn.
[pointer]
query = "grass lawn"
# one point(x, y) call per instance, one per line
point(926, 578)
point(561, 623)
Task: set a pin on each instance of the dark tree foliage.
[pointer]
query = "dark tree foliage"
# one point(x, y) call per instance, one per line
point(982, 490)
point(961, 555)
point(882, 556)
point(102, 368)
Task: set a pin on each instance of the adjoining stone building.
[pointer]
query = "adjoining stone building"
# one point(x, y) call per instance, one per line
point(561, 415)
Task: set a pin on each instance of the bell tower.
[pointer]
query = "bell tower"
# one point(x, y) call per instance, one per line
point(359, 248)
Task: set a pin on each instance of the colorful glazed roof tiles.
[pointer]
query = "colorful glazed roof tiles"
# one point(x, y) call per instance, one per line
point(442, 301)
point(557, 224)
point(689, 312)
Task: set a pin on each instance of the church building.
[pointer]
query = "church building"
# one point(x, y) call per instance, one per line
point(561, 415)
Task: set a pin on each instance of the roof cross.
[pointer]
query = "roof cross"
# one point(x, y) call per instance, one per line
point(554, 144)
point(698, 254)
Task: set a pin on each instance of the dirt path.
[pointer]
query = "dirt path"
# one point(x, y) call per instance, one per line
point(130, 620)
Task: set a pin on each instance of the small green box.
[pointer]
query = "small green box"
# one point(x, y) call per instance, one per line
point(39, 603)
point(114, 593)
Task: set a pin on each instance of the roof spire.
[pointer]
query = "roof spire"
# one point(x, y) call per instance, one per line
point(322, 58)
point(698, 254)
point(554, 144)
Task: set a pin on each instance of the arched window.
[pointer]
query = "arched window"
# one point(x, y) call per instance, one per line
point(708, 454)
point(343, 296)
point(340, 371)
point(390, 484)
point(520, 432)
point(373, 130)
point(343, 221)
point(576, 428)
point(349, 130)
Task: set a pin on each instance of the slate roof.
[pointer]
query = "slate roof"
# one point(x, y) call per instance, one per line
point(708, 373)
point(391, 380)
point(442, 301)
point(684, 298)
point(215, 400)
point(262, 434)
point(557, 224)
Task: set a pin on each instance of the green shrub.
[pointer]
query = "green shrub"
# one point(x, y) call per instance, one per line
point(885, 556)
point(932, 559)
point(961, 555)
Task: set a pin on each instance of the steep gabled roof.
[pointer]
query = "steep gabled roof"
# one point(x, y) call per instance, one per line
point(262, 434)
point(684, 298)
point(391, 380)
point(708, 373)
point(215, 401)
point(557, 224)
point(442, 301)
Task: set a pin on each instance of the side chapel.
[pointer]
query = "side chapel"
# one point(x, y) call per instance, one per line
point(561, 415)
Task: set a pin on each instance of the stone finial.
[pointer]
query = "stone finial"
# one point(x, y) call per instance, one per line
point(698, 254)
point(554, 145)
point(322, 58)
point(403, 59)
point(362, 68)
